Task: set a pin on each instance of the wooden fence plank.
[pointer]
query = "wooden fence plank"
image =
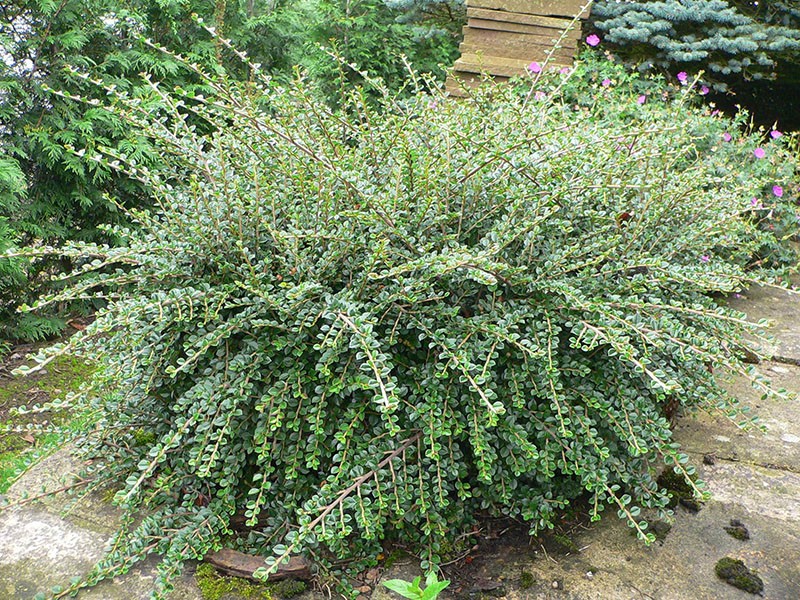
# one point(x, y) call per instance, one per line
point(497, 65)
point(515, 17)
point(552, 33)
point(503, 37)
point(498, 42)
point(560, 8)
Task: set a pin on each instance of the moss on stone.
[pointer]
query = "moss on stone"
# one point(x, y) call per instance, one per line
point(693, 504)
point(64, 375)
point(288, 588)
point(679, 489)
point(562, 544)
point(393, 557)
point(526, 580)
point(738, 530)
point(735, 573)
point(214, 586)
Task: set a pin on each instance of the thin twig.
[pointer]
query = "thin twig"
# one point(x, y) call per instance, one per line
point(30, 499)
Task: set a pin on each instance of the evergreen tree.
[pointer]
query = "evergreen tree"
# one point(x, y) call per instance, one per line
point(373, 35)
point(431, 17)
point(51, 138)
point(729, 40)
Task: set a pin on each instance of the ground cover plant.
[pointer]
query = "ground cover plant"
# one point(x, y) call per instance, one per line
point(379, 323)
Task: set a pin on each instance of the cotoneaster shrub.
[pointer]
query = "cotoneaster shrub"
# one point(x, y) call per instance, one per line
point(380, 323)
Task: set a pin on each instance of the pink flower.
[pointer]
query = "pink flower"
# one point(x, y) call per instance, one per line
point(593, 40)
point(775, 134)
point(682, 76)
point(535, 67)
point(705, 258)
point(539, 95)
point(606, 82)
point(715, 112)
point(564, 70)
point(754, 202)
point(777, 190)
point(704, 90)
point(727, 136)
point(641, 99)
point(759, 153)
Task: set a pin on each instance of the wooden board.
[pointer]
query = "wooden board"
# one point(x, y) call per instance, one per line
point(500, 43)
point(503, 66)
point(526, 53)
point(550, 33)
point(239, 564)
point(560, 8)
point(504, 16)
point(503, 37)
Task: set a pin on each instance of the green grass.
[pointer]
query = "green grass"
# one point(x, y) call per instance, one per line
point(64, 375)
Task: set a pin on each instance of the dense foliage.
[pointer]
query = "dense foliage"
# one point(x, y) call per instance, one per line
point(747, 51)
point(724, 38)
point(380, 323)
point(48, 45)
point(12, 268)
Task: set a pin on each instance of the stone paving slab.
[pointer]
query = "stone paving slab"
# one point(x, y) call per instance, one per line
point(777, 447)
point(613, 566)
point(46, 543)
point(39, 550)
point(782, 308)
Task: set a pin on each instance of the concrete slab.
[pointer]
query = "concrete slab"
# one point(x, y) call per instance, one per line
point(612, 565)
point(39, 550)
point(782, 308)
point(47, 543)
point(778, 447)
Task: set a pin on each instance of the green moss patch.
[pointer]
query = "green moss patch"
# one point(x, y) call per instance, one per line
point(561, 544)
point(738, 530)
point(214, 586)
point(680, 491)
point(288, 588)
point(735, 573)
point(526, 580)
point(64, 375)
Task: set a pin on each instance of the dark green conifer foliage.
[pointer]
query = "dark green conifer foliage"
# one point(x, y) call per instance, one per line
point(52, 139)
